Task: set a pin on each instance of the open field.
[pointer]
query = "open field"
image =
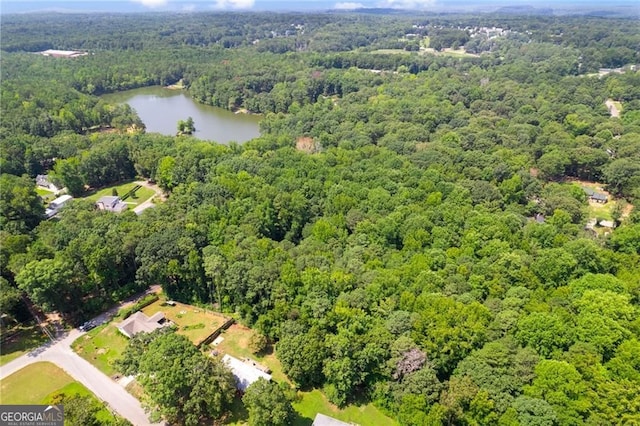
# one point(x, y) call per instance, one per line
point(19, 387)
point(315, 402)
point(391, 52)
point(38, 383)
point(101, 347)
point(236, 343)
point(141, 195)
point(192, 322)
point(27, 337)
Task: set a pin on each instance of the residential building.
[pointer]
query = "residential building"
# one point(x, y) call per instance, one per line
point(139, 322)
point(111, 203)
point(244, 373)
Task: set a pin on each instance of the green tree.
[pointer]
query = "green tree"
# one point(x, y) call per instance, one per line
point(51, 284)
point(69, 172)
point(302, 354)
point(268, 404)
point(187, 385)
point(21, 208)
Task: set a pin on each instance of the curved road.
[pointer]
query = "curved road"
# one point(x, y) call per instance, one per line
point(60, 353)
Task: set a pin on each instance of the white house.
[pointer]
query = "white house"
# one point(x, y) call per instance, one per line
point(244, 373)
point(56, 205)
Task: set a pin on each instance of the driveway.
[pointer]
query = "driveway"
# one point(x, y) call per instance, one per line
point(149, 203)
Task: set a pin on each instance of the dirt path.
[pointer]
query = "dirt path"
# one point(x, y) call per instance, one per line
point(613, 109)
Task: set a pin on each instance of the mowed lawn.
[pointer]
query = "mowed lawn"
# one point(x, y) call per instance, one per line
point(195, 323)
point(236, 343)
point(38, 383)
point(315, 402)
point(26, 338)
point(140, 196)
point(102, 346)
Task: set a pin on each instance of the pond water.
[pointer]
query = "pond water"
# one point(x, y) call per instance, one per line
point(160, 109)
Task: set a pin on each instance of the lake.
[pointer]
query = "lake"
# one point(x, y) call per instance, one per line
point(160, 109)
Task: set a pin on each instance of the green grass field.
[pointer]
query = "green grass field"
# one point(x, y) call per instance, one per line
point(236, 343)
point(315, 402)
point(28, 337)
point(38, 384)
point(141, 195)
point(45, 195)
point(101, 347)
point(32, 384)
point(193, 322)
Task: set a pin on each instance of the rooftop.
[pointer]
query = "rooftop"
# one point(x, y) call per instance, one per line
point(244, 373)
point(139, 322)
point(322, 420)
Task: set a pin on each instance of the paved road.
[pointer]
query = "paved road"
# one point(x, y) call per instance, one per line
point(60, 353)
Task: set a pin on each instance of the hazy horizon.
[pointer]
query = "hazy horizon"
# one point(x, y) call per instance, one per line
point(630, 7)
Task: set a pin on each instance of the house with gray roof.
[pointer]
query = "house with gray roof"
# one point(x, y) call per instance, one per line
point(243, 372)
point(111, 203)
point(322, 420)
point(139, 322)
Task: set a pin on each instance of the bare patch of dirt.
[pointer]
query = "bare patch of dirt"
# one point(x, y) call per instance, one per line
point(307, 144)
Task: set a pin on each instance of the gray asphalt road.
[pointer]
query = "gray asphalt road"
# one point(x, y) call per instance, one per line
point(61, 354)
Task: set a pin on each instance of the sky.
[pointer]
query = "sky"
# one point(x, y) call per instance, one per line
point(13, 6)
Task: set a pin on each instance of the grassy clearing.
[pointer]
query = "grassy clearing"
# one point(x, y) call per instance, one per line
point(314, 402)
point(194, 323)
point(101, 347)
point(236, 343)
point(597, 210)
point(38, 384)
point(27, 337)
point(390, 52)
point(46, 196)
point(34, 383)
point(141, 195)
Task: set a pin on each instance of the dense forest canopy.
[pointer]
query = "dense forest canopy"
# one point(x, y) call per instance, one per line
point(409, 227)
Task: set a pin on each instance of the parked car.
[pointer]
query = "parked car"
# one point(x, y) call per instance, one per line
point(87, 326)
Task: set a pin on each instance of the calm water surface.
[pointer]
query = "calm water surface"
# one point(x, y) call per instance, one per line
point(160, 110)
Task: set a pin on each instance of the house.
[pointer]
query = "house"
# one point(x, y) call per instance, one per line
point(111, 203)
point(139, 322)
point(322, 420)
point(56, 205)
point(244, 373)
point(63, 53)
point(595, 196)
point(607, 224)
point(43, 182)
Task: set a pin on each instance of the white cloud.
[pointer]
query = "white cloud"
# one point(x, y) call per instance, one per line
point(408, 4)
point(348, 6)
point(233, 4)
point(188, 7)
point(152, 3)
